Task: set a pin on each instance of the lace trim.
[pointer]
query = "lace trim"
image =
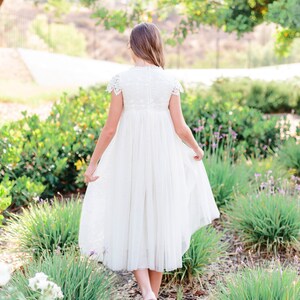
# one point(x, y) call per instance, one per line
point(177, 89)
point(114, 85)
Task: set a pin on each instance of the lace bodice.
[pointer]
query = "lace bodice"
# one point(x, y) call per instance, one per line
point(145, 87)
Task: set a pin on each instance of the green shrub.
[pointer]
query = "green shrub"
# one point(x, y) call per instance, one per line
point(268, 97)
point(254, 132)
point(289, 156)
point(78, 276)
point(24, 189)
point(205, 248)
point(5, 196)
point(268, 165)
point(268, 220)
point(61, 38)
point(226, 179)
point(45, 226)
point(260, 283)
point(52, 153)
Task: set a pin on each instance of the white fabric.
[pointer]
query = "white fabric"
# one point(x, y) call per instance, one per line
point(151, 194)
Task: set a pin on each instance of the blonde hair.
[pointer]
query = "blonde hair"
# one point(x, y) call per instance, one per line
point(146, 43)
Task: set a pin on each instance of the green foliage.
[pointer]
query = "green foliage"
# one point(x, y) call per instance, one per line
point(24, 190)
point(269, 220)
point(289, 156)
point(5, 196)
point(267, 165)
point(243, 15)
point(45, 226)
point(238, 16)
point(43, 157)
point(78, 276)
point(205, 248)
point(226, 178)
point(58, 7)
point(268, 97)
point(254, 132)
point(121, 19)
point(60, 38)
point(260, 283)
point(285, 13)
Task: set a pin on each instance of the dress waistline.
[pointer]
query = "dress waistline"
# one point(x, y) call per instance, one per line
point(146, 108)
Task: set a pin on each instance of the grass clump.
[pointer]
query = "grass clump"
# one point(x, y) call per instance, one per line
point(205, 248)
point(78, 276)
point(260, 283)
point(266, 221)
point(45, 226)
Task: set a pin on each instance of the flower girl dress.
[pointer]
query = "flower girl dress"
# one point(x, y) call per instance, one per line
point(151, 194)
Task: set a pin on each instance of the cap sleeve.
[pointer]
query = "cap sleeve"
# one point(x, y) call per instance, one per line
point(114, 85)
point(177, 87)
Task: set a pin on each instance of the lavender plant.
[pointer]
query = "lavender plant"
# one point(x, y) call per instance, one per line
point(268, 218)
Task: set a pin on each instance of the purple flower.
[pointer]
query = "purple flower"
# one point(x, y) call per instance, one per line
point(297, 187)
point(216, 133)
point(92, 252)
point(200, 128)
point(214, 145)
point(257, 174)
point(265, 147)
point(234, 134)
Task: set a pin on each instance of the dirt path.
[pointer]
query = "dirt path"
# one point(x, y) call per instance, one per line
point(12, 66)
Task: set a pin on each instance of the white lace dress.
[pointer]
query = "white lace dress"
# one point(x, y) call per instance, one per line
point(151, 194)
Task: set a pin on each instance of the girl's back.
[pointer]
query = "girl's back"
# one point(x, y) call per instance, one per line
point(149, 192)
point(145, 87)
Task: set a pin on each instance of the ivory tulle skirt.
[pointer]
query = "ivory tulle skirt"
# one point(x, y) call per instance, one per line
point(151, 196)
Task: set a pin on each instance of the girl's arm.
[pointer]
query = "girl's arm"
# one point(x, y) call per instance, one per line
point(181, 128)
point(107, 133)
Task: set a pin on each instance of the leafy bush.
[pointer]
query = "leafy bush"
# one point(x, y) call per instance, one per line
point(268, 97)
point(268, 220)
point(45, 226)
point(78, 276)
point(260, 283)
point(265, 166)
point(255, 133)
point(289, 155)
point(205, 248)
point(44, 157)
point(5, 196)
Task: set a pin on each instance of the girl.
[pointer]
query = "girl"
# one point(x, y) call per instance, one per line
point(149, 192)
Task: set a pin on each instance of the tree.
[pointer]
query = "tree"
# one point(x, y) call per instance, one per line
point(238, 16)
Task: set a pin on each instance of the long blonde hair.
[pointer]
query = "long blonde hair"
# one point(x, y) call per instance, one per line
point(146, 43)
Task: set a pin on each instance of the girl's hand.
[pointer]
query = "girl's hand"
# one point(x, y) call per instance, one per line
point(88, 175)
point(199, 154)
